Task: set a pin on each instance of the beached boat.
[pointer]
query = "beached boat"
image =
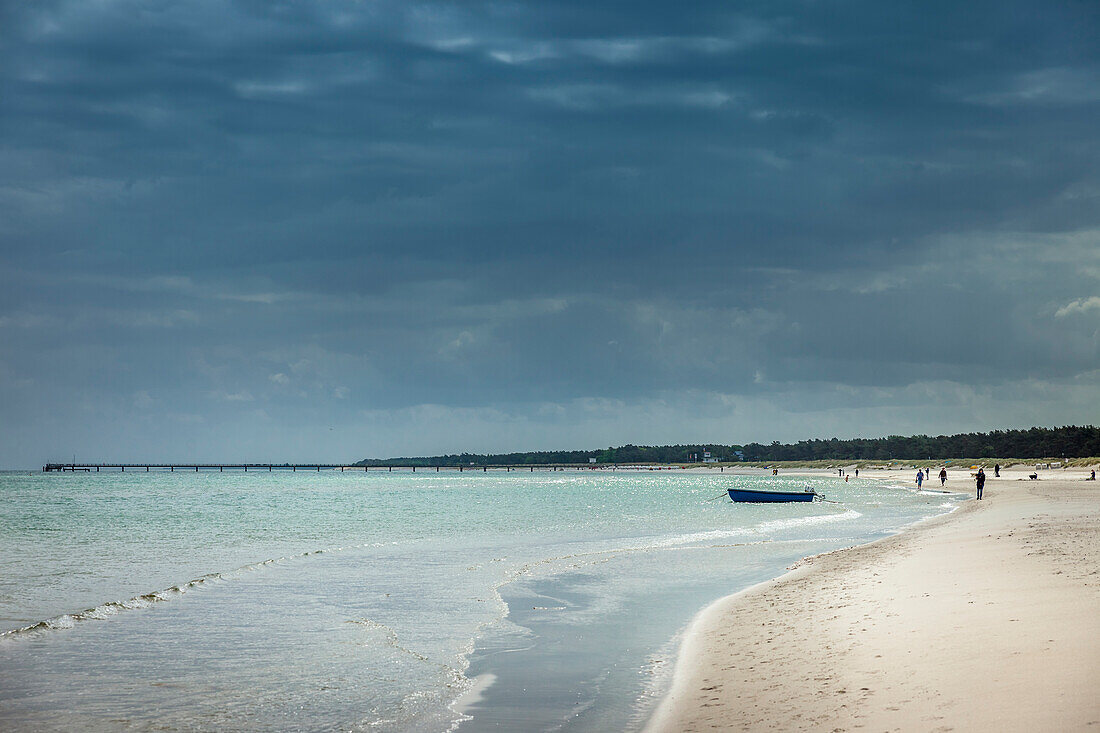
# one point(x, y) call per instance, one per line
point(753, 495)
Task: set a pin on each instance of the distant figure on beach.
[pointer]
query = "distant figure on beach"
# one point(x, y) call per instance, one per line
point(997, 471)
point(943, 476)
point(857, 473)
point(846, 479)
point(1093, 476)
point(981, 482)
point(775, 472)
point(920, 479)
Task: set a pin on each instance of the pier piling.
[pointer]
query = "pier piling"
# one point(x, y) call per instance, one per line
point(293, 467)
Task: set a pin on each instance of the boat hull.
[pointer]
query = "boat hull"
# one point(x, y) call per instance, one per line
point(752, 495)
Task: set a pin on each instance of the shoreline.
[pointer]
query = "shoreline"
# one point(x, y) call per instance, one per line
point(935, 627)
point(623, 700)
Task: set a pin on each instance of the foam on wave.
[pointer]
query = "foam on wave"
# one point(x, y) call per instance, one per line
point(106, 610)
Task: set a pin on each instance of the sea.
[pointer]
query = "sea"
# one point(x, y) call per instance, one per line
point(385, 601)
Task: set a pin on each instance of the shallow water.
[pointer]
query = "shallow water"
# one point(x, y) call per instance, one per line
point(352, 601)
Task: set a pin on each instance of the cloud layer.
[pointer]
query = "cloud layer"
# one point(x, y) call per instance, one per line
point(306, 230)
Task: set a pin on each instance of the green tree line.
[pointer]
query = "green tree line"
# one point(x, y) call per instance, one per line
point(1071, 441)
point(621, 455)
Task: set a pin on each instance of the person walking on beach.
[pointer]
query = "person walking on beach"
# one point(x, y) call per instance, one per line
point(997, 471)
point(920, 478)
point(981, 482)
point(943, 476)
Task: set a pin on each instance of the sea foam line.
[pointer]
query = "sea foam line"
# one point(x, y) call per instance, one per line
point(766, 527)
point(146, 600)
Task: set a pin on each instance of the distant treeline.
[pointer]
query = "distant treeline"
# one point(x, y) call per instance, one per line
point(1071, 441)
point(624, 454)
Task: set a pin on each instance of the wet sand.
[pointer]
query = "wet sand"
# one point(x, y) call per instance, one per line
point(985, 619)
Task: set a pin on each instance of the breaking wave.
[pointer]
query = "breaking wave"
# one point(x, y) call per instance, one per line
point(146, 600)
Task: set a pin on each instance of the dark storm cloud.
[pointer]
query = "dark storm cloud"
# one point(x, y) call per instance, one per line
point(259, 215)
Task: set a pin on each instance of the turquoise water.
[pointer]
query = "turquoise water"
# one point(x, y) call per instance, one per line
point(352, 601)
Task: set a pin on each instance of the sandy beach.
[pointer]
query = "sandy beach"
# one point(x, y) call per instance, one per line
point(984, 619)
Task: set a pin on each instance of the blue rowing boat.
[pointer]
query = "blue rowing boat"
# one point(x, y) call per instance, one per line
point(753, 495)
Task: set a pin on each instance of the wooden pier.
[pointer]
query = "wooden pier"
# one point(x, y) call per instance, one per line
point(293, 467)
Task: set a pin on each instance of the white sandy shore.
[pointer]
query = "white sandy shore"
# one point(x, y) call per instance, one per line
point(987, 619)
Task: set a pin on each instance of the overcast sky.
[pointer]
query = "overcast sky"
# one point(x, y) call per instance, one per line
point(330, 230)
